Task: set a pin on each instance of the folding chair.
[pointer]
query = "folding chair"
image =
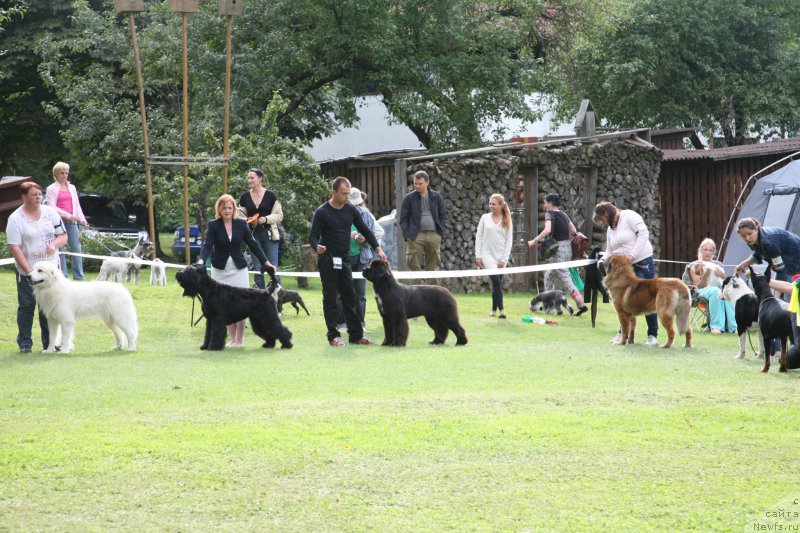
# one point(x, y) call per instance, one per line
point(700, 317)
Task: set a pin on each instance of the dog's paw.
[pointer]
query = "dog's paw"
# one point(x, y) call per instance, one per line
point(739, 356)
point(49, 350)
point(287, 346)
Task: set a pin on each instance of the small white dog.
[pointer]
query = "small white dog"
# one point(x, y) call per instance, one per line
point(158, 275)
point(63, 301)
point(113, 269)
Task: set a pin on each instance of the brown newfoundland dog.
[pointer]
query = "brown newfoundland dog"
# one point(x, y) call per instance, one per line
point(632, 296)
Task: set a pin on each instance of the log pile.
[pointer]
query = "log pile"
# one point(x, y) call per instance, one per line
point(627, 175)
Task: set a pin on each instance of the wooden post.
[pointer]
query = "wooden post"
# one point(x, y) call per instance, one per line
point(145, 135)
point(400, 186)
point(591, 201)
point(186, 231)
point(226, 127)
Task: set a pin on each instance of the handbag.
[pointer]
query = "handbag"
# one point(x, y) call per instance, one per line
point(549, 247)
point(580, 245)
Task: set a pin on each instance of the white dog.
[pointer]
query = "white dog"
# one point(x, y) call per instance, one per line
point(158, 275)
point(113, 269)
point(63, 301)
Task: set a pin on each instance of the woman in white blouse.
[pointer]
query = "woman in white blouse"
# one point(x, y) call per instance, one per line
point(493, 246)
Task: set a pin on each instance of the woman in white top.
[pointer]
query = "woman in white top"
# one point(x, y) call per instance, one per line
point(707, 275)
point(627, 235)
point(493, 246)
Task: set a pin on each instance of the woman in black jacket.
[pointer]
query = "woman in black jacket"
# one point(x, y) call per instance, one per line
point(223, 242)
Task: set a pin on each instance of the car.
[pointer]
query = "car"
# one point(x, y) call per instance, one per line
point(112, 218)
point(195, 243)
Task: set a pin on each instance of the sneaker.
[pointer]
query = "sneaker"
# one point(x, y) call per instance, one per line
point(651, 341)
point(364, 342)
point(501, 315)
point(337, 341)
point(582, 309)
point(492, 314)
point(617, 339)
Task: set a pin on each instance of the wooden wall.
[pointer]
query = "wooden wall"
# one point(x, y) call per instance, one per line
point(376, 178)
point(697, 197)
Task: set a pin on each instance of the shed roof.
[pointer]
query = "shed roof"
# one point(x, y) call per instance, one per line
point(735, 152)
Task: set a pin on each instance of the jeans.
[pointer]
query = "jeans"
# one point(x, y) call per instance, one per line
point(74, 243)
point(720, 311)
point(270, 248)
point(338, 283)
point(646, 269)
point(497, 292)
point(27, 305)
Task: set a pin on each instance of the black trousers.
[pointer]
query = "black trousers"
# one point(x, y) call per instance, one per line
point(339, 282)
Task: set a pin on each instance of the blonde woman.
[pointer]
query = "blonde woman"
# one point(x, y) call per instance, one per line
point(707, 275)
point(224, 238)
point(62, 196)
point(493, 246)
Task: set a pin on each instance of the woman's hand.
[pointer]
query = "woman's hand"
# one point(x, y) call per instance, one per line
point(262, 220)
point(479, 262)
point(501, 264)
point(532, 242)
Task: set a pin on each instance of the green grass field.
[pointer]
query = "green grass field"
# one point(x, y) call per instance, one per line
point(527, 428)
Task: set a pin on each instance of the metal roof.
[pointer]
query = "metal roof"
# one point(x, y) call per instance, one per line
point(734, 152)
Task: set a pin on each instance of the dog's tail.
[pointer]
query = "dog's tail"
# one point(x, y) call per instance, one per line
point(683, 310)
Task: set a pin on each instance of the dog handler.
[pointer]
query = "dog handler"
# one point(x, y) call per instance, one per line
point(330, 237)
point(223, 242)
point(35, 233)
point(627, 235)
point(779, 247)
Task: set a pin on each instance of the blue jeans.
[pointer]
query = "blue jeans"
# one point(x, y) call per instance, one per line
point(27, 305)
point(270, 248)
point(74, 243)
point(646, 269)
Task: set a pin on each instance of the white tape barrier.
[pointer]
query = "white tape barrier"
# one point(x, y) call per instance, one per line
point(397, 274)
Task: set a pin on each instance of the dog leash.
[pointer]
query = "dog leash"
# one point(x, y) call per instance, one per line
point(192, 320)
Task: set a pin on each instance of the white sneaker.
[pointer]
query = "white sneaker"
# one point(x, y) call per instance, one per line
point(651, 341)
point(617, 339)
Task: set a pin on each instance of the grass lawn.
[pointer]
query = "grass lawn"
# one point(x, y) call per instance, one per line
point(527, 428)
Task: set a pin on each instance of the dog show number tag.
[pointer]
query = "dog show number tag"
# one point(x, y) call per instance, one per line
point(337, 263)
point(777, 264)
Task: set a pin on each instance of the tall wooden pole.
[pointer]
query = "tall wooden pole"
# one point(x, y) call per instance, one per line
point(145, 135)
point(186, 233)
point(226, 127)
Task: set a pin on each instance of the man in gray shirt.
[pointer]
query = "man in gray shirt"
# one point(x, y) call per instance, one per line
point(422, 219)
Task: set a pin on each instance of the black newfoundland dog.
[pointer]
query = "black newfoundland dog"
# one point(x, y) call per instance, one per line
point(397, 303)
point(223, 305)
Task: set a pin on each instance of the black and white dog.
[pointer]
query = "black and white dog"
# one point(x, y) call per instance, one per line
point(223, 305)
point(285, 296)
point(774, 321)
point(397, 303)
point(745, 307)
point(548, 301)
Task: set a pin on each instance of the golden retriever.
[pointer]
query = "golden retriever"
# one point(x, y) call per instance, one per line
point(632, 296)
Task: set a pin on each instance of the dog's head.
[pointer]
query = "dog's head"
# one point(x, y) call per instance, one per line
point(733, 288)
point(192, 278)
point(44, 274)
point(761, 284)
point(616, 267)
point(376, 270)
point(143, 248)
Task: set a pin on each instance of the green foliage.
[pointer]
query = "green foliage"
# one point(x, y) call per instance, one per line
point(727, 66)
point(526, 428)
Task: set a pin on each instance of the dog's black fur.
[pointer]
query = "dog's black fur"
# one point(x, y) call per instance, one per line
point(397, 303)
point(285, 296)
point(774, 321)
point(550, 300)
point(223, 305)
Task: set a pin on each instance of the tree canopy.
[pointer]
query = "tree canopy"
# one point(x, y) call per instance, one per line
point(730, 67)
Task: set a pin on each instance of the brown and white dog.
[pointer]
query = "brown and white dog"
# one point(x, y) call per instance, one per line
point(668, 297)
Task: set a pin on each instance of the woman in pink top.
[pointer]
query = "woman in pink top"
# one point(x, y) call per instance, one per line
point(63, 197)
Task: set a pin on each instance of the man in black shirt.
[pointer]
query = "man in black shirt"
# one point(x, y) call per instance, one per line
point(330, 237)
